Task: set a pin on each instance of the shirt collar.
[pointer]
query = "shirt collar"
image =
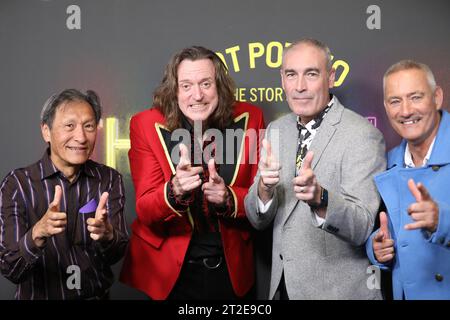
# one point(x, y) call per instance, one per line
point(315, 123)
point(49, 169)
point(409, 163)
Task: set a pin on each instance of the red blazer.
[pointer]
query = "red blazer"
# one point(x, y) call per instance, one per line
point(160, 234)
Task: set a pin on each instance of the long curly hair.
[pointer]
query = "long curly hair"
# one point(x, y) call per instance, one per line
point(165, 96)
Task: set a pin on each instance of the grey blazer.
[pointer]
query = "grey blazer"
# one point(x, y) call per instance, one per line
point(327, 262)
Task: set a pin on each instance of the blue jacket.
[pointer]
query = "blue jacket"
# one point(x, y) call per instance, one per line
point(421, 266)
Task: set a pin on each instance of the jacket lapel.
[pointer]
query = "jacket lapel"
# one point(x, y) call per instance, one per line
point(233, 149)
point(318, 145)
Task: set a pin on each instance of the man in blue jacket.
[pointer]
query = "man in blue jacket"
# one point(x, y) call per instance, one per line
point(414, 236)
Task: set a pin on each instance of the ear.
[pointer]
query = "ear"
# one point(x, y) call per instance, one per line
point(438, 97)
point(331, 78)
point(282, 78)
point(45, 130)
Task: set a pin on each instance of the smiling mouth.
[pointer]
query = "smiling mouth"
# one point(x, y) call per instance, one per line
point(198, 106)
point(408, 122)
point(77, 148)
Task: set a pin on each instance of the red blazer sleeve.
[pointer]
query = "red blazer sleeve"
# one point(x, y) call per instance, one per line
point(150, 172)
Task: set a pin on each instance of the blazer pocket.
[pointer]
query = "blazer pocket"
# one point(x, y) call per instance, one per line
point(147, 235)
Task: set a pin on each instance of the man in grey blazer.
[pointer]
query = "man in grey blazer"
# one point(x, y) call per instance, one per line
point(315, 184)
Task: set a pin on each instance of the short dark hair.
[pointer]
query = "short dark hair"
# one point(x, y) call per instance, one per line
point(69, 95)
point(165, 97)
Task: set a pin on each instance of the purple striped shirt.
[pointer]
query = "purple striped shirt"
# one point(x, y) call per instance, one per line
point(44, 273)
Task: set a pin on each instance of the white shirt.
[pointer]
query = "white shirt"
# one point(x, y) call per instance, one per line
point(409, 163)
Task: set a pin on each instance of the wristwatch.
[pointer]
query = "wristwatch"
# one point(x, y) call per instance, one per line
point(323, 199)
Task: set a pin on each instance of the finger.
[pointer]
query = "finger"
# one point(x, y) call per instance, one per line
point(53, 231)
point(384, 225)
point(424, 192)
point(191, 185)
point(420, 216)
point(96, 229)
point(268, 148)
point(416, 225)
point(386, 258)
point(94, 236)
point(378, 236)
point(270, 173)
point(213, 175)
point(57, 223)
point(307, 161)
point(187, 181)
point(386, 251)
point(100, 213)
point(54, 206)
point(185, 162)
point(94, 222)
point(306, 178)
point(414, 190)
point(57, 216)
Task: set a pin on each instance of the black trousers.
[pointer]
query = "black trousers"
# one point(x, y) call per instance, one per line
point(203, 279)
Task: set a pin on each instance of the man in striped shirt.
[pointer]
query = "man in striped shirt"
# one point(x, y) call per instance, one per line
point(61, 218)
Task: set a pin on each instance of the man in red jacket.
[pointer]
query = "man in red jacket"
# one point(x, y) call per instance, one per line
point(193, 157)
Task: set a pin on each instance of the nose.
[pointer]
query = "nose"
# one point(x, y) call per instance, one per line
point(197, 93)
point(80, 135)
point(300, 86)
point(405, 109)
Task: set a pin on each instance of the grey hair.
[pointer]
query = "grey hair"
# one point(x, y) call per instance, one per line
point(315, 43)
point(408, 65)
point(69, 95)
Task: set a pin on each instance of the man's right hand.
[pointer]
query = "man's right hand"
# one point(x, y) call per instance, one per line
point(383, 245)
point(53, 221)
point(187, 178)
point(269, 169)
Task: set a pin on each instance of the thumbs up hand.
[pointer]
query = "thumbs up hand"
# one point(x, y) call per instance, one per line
point(425, 211)
point(382, 244)
point(215, 189)
point(53, 222)
point(187, 178)
point(306, 187)
point(269, 169)
point(99, 227)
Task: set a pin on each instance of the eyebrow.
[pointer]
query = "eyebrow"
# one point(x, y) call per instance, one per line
point(201, 80)
point(408, 95)
point(414, 93)
point(312, 69)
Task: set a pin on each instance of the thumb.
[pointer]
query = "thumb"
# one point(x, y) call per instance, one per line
point(213, 175)
point(306, 163)
point(185, 162)
point(267, 147)
point(54, 206)
point(100, 213)
point(384, 225)
point(414, 190)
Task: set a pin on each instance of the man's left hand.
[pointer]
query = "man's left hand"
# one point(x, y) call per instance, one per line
point(215, 189)
point(425, 211)
point(306, 187)
point(99, 227)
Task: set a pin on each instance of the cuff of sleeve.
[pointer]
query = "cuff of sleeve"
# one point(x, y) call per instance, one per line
point(371, 255)
point(30, 251)
point(229, 208)
point(107, 245)
point(442, 236)
point(263, 208)
point(178, 204)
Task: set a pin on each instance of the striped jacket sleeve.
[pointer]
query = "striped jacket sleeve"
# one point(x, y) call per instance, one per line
point(18, 252)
